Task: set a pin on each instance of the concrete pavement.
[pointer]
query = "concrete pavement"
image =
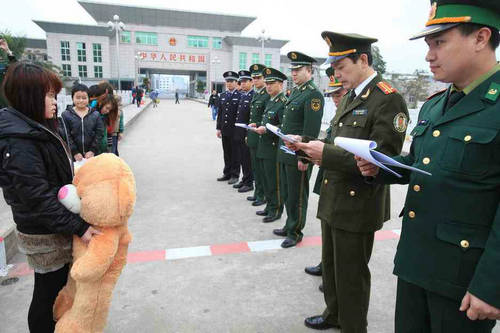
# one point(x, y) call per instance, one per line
point(176, 159)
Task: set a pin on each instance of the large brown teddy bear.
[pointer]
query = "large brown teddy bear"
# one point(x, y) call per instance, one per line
point(106, 187)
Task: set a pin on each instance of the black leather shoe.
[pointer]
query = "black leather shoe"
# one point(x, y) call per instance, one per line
point(223, 178)
point(258, 203)
point(321, 288)
point(245, 188)
point(268, 219)
point(280, 232)
point(232, 181)
point(289, 243)
point(318, 323)
point(240, 184)
point(261, 213)
point(252, 198)
point(314, 270)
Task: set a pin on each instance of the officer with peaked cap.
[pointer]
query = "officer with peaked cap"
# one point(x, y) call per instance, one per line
point(268, 144)
point(336, 91)
point(240, 134)
point(302, 116)
point(257, 107)
point(228, 107)
point(448, 256)
point(350, 208)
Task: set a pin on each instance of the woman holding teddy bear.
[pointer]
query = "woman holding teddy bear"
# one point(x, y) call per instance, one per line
point(34, 164)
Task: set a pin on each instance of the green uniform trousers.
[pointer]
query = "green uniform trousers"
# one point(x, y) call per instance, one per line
point(257, 175)
point(271, 179)
point(346, 277)
point(295, 189)
point(421, 311)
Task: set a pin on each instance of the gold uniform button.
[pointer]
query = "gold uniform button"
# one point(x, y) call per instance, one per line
point(464, 244)
point(416, 188)
point(341, 124)
point(411, 214)
point(426, 160)
point(354, 123)
point(467, 138)
point(325, 181)
point(436, 133)
point(352, 193)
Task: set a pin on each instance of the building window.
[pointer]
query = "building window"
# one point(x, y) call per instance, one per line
point(98, 72)
point(125, 37)
point(255, 58)
point(66, 69)
point(82, 71)
point(216, 43)
point(81, 52)
point(243, 60)
point(198, 41)
point(268, 60)
point(97, 52)
point(147, 38)
point(65, 51)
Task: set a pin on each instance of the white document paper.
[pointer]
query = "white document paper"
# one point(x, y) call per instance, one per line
point(245, 126)
point(287, 150)
point(277, 131)
point(365, 150)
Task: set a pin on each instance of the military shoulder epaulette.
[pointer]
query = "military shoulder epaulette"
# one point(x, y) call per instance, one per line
point(386, 87)
point(283, 99)
point(263, 91)
point(493, 92)
point(436, 93)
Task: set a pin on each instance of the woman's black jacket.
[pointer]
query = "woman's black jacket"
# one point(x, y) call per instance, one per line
point(34, 166)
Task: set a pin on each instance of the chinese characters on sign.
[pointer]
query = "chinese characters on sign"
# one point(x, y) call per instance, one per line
point(173, 57)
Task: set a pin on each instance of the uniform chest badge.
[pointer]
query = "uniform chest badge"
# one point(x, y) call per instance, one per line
point(359, 112)
point(400, 122)
point(315, 104)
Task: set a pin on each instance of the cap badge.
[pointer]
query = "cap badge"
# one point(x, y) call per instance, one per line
point(432, 13)
point(328, 41)
point(293, 56)
point(268, 71)
point(255, 67)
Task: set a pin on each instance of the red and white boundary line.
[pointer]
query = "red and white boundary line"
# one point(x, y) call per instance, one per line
point(214, 250)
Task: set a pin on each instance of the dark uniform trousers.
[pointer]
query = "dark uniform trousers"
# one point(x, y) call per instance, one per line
point(231, 157)
point(257, 174)
point(243, 159)
point(271, 183)
point(419, 310)
point(349, 253)
point(295, 184)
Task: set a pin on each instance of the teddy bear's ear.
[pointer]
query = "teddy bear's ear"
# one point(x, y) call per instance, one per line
point(126, 194)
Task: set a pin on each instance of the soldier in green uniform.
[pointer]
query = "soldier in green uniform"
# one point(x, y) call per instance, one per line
point(350, 208)
point(335, 91)
point(268, 144)
point(257, 106)
point(448, 256)
point(303, 113)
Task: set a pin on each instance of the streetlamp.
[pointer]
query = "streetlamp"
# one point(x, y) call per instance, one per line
point(263, 38)
point(215, 61)
point(137, 57)
point(117, 26)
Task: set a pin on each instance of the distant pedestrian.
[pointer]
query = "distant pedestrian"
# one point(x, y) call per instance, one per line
point(213, 103)
point(115, 131)
point(154, 98)
point(134, 94)
point(138, 96)
point(177, 97)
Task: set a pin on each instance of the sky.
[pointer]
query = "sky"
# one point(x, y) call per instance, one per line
point(391, 21)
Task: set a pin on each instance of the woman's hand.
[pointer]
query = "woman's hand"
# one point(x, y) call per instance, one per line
point(78, 157)
point(91, 232)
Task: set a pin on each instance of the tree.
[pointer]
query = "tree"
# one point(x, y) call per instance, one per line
point(200, 86)
point(146, 83)
point(378, 60)
point(413, 89)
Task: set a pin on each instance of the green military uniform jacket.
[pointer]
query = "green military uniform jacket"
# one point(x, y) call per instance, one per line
point(268, 142)
point(450, 239)
point(302, 116)
point(347, 201)
point(257, 107)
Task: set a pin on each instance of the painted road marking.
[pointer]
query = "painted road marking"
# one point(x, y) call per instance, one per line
point(23, 269)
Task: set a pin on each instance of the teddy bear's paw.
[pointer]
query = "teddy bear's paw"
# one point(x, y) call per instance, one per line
point(83, 275)
point(66, 325)
point(62, 304)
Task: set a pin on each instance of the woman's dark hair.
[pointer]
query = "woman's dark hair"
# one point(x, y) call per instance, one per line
point(79, 87)
point(112, 116)
point(96, 91)
point(25, 87)
point(105, 85)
